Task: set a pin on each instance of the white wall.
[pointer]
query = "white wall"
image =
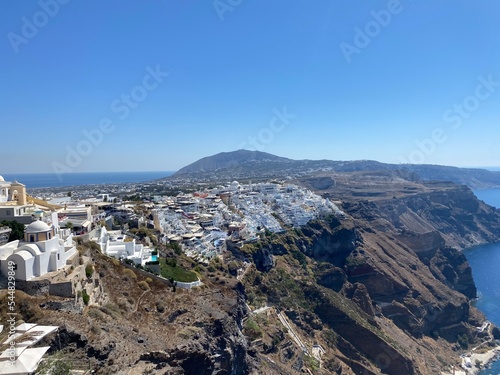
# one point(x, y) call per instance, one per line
point(24, 266)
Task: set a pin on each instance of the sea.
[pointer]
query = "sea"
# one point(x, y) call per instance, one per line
point(485, 263)
point(42, 180)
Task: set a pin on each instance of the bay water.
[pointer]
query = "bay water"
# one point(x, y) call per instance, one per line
point(38, 180)
point(485, 263)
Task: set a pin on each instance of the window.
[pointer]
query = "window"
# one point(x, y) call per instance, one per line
point(9, 212)
point(58, 257)
point(32, 238)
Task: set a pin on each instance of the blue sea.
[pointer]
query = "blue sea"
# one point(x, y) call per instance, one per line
point(485, 263)
point(38, 180)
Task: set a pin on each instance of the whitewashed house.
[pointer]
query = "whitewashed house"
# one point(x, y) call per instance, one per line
point(114, 245)
point(44, 249)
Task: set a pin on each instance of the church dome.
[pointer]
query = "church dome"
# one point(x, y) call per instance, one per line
point(37, 227)
point(1, 179)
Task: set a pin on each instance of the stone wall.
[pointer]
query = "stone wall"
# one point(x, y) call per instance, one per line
point(37, 287)
point(63, 289)
point(188, 285)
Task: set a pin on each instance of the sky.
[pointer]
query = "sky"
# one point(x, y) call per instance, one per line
point(90, 86)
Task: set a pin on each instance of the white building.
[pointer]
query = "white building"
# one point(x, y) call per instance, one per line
point(43, 250)
point(114, 245)
point(21, 358)
point(13, 202)
point(79, 215)
point(266, 188)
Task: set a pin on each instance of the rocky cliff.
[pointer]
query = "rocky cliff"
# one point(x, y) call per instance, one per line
point(388, 280)
point(144, 326)
point(382, 289)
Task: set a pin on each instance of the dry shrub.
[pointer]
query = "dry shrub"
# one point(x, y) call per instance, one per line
point(112, 310)
point(143, 285)
point(129, 274)
point(190, 332)
point(160, 306)
point(95, 330)
point(96, 314)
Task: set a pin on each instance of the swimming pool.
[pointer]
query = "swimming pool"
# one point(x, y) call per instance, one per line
point(154, 258)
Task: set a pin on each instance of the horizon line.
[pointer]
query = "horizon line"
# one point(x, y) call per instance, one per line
point(71, 173)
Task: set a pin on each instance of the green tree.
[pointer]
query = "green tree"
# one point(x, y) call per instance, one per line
point(69, 225)
point(17, 229)
point(89, 271)
point(176, 247)
point(252, 329)
point(463, 341)
point(85, 297)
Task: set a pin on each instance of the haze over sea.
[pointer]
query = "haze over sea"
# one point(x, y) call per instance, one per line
point(38, 180)
point(485, 262)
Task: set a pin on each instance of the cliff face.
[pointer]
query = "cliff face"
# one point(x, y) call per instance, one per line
point(144, 326)
point(389, 279)
point(453, 211)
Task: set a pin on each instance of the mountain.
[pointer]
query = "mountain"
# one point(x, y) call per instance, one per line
point(226, 160)
point(244, 164)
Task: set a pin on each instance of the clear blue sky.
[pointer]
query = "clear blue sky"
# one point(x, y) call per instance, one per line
point(69, 67)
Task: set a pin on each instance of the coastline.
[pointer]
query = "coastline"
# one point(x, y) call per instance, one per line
point(484, 359)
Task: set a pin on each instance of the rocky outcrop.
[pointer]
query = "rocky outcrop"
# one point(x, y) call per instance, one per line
point(424, 245)
point(332, 242)
point(330, 276)
point(451, 267)
point(358, 293)
point(351, 324)
point(263, 259)
point(223, 353)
